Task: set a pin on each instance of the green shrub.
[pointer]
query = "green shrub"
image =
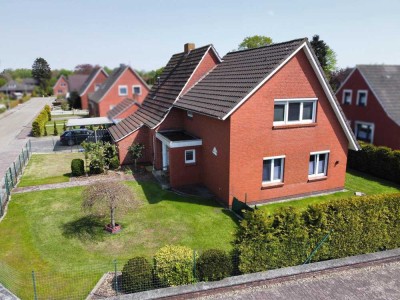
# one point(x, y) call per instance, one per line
point(48, 111)
point(55, 128)
point(382, 162)
point(355, 226)
point(114, 163)
point(173, 265)
point(39, 124)
point(137, 275)
point(77, 167)
point(214, 264)
point(96, 166)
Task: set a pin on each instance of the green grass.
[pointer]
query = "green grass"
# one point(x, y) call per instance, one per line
point(355, 182)
point(59, 125)
point(48, 168)
point(47, 232)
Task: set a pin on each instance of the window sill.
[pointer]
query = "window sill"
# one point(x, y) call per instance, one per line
point(188, 164)
point(317, 178)
point(288, 126)
point(266, 186)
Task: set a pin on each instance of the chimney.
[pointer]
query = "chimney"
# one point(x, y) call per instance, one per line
point(189, 47)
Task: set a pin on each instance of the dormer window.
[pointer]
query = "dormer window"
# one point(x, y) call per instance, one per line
point(294, 111)
point(347, 96)
point(136, 90)
point(362, 97)
point(97, 86)
point(123, 90)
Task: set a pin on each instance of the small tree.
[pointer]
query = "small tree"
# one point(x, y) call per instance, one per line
point(55, 128)
point(136, 150)
point(65, 126)
point(105, 197)
point(255, 41)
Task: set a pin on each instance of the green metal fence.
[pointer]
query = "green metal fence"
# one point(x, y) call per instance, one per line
point(10, 178)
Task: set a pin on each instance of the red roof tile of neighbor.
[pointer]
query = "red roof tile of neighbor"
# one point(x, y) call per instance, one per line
point(121, 107)
point(163, 94)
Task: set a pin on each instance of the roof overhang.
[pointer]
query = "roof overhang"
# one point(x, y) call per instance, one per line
point(186, 141)
point(89, 121)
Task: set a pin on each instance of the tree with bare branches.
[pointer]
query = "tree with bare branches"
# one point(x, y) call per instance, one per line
point(105, 197)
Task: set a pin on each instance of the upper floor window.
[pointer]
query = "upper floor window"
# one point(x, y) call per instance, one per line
point(122, 90)
point(347, 94)
point(273, 169)
point(97, 86)
point(362, 96)
point(318, 164)
point(294, 111)
point(364, 131)
point(63, 84)
point(136, 90)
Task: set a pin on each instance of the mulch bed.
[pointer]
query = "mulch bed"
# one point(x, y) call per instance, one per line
point(106, 287)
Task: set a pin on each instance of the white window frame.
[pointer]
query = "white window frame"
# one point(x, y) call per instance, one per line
point(119, 90)
point(97, 86)
point(63, 84)
point(358, 97)
point(344, 98)
point(356, 123)
point(189, 114)
point(194, 156)
point(316, 174)
point(136, 86)
point(111, 106)
point(283, 158)
point(286, 113)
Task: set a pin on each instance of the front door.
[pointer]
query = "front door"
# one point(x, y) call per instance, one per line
point(165, 157)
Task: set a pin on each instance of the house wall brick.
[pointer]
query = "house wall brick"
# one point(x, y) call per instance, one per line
point(253, 138)
point(112, 98)
point(58, 87)
point(387, 132)
point(181, 173)
point(99, 79)
point(139, 136)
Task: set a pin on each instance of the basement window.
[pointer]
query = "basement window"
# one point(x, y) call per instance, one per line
point(190, 156)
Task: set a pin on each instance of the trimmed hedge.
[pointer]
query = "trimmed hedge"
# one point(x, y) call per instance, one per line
point(77, 167)
point(137, 275)
point(381, 162)
point(214, 264)
point(38, 125)
point(173, 265)
point(358, 225)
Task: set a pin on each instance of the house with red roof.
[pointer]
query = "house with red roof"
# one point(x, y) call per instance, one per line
point(370, 99)
point(259, 125)
point(60, 88)
point(92, 83)
point(123, 83)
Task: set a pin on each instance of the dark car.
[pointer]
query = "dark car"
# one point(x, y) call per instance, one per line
point(75, 136)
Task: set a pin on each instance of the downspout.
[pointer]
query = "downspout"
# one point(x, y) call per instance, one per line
point(154, 150)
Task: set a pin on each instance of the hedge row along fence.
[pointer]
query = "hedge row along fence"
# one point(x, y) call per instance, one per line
point(381, 161)
point(39, 124)
point(352, 226)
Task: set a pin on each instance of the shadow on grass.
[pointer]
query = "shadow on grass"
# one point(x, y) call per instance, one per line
point(87, 228)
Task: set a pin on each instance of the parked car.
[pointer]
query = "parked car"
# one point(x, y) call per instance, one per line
point(75, 136)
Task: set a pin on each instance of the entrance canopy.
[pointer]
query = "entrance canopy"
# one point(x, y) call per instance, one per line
point(89, 121)
point(178, 139)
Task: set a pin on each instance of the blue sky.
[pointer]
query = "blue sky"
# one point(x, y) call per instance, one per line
point(145, 34)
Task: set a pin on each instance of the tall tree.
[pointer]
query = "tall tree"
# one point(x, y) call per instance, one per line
point(254, 42)
point(326, 56)
point(337, 77)
point(42, 73)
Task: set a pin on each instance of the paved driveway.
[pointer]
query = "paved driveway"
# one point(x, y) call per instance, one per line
point(15, 126)
point(50, 144)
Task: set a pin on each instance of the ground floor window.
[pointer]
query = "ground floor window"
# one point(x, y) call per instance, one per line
point(318, 163)
point(273, 169)
point(190, 156)
point(364, 131)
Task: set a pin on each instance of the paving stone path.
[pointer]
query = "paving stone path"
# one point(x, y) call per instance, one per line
point(6, 294)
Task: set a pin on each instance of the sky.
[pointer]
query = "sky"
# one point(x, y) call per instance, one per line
point(144, 34)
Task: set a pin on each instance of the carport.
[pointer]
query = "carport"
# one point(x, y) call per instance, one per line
point(99, 121)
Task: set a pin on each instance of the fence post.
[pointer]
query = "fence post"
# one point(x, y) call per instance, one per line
point(116, 277)
point(34, 285)
point(15, 171)
point(6, 184)
point(27, 149)
point(194, 265)
point(11, 176)
point(30, 146)
point(23, 156)
point(20, 164)
point(1, 204)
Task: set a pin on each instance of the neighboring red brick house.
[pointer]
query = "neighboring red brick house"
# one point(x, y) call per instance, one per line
point(370, 99)
point(92, 84)
point(261, 125)
point(61, 86)
point(123, 83)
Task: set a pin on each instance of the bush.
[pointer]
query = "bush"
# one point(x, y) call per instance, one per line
point(48, 111)
point(77, 167)
point(382, 162)
point(137, 275)
point(356, 225)
point(55, 128)
point(96, 166)
point(114, 163)
point(173, 265)
point(214, 265)
point(39, 124)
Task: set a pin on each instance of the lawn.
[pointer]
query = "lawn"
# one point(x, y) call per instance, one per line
point(355, 182)
point(59, 125)
point(48, 168)
point(47, 232)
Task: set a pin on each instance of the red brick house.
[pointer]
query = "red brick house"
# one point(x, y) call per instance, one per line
point(370, 99)
point(61, 86)
point(123, 83)
point(92, 84)
point(260, 124)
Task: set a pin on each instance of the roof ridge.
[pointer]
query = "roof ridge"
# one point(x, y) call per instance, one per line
point(183, 52)
point(270, 45)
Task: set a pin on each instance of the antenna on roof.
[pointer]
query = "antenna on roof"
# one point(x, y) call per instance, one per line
point(158, 80)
